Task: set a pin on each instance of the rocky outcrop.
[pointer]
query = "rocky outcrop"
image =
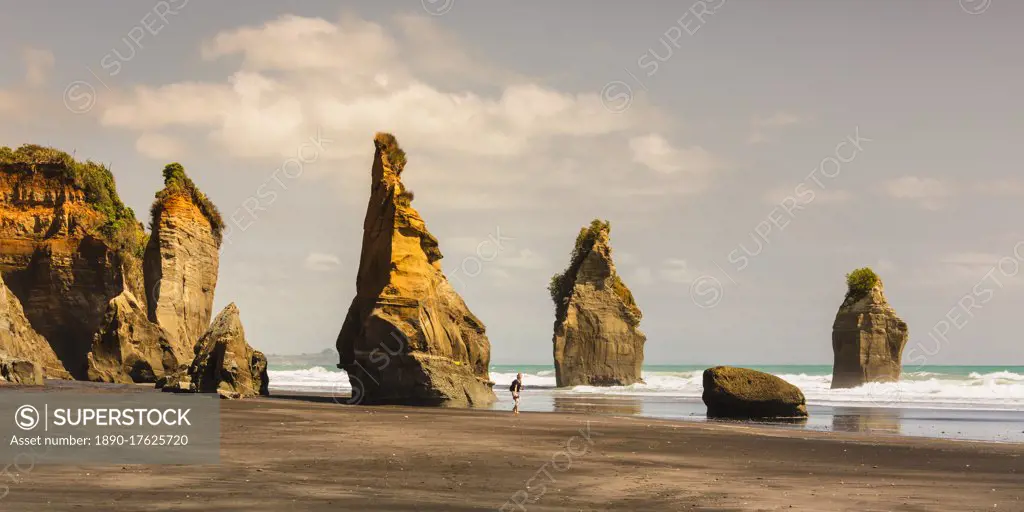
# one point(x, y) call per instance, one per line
point(744, 394)
point(867, 336)
point(67, 246)
point(224, 363)
point(20, 372)
point(182, 259)
point(18, 340)
point(408, 337)
point(129, 348)
point(597, 339)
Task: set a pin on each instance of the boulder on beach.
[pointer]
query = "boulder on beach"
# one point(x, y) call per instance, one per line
point(747, 394)
point(408, 337)
point(597, 339)
point(867, 336)
point(225, 363)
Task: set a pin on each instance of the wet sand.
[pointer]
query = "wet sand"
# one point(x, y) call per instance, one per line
point(305, 453)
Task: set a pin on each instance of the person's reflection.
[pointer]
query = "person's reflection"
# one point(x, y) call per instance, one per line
point(864, 419)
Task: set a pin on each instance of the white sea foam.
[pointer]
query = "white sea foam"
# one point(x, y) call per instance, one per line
point(997, 390)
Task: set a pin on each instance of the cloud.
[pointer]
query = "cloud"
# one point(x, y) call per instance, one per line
point(678, 271)
point(642, 276)
point(38, 65)
point(803, 197)
point(159, 147)
point(930, 194)
point(1000, 188)
point(525, 259)
point(293, 76)
point(321, 262)
point(656, 153)
point(760, 125)
point(965, 270)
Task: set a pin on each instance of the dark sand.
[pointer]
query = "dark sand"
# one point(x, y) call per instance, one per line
point(300, 454)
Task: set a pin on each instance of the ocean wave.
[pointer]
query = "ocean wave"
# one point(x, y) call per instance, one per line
point(995, 390)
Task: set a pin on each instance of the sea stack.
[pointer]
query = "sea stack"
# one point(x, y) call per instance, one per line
point(597, 340)
point(68, 245)
point(224, 364)
point(867, 336)
point(408, 337)
point(182, 258)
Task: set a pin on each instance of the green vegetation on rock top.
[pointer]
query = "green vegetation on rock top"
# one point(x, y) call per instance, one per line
point(561, 283)
point(177, 182)
point(121, 228)
point(859, 283)
point(396, 157)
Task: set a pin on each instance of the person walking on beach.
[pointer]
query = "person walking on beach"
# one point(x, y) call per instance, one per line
point(515, 388)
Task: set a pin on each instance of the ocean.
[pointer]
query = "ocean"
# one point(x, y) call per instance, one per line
point(983, 403)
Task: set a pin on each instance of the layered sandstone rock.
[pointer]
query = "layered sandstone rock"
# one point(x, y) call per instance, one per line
point(224, 364)
point(129, 348)
point(742, 393)
point(182, 259)
point(867, 336)
point(408, 337)
point(18, 340)
point(597, 339)
point(20, 372)
point(67, 246)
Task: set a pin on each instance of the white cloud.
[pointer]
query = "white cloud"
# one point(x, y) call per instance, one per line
point(296, 76)
point(678, 271)
point(642, 276)
point(525, 259)
point(351, 79)
point(38, 66)
point(760, 125)
point(655, 152)
point(321, 262)
point(930, 194)
point(804, 196)
point(159, 147)
point(1000, 188)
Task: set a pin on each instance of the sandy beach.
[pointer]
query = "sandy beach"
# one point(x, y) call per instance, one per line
point(307, 453)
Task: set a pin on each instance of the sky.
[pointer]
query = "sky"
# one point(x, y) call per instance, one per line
point(747, 153)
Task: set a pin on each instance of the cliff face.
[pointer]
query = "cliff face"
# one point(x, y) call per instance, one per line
point(867, 340)
point(19, 341)
point(71, 253)
point(181, 265)
point(129, 348)
point(54, 255)
point(597, 340)
point(408, 336)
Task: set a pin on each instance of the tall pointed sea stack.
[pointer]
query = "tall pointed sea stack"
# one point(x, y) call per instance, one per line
point(867, 336)
point(182, 259)
point(408, 337)
point(597, 338)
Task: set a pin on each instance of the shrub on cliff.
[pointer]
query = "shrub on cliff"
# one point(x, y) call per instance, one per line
point(177, 182)
point(561, 283)
point(121, 228)
point(389, 144)
point(859, 283)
